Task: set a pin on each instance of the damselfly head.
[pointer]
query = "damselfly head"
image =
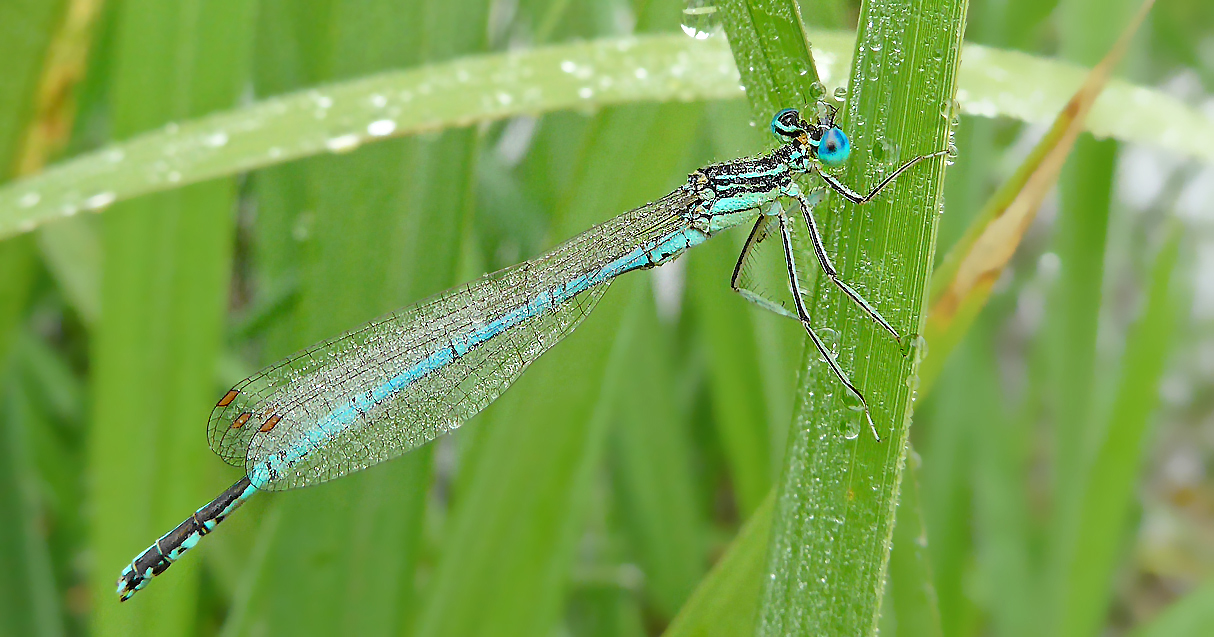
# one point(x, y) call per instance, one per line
point(829, 141)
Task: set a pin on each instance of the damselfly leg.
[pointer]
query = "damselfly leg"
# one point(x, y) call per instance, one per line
point(830, 147)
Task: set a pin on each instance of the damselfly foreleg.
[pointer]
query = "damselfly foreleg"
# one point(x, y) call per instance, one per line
point(856, 197)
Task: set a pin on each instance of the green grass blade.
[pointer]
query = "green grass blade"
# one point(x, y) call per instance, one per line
point(383, 228)
point(771, 49)
point(1107, 490)
point(751, 353)
point(968, 272)
point(913, 590)
point(838, 495)
point(163, 292)
point(727, 599)
point(1191, 616)
point(651, 458)
point(28, 595)
point(494, 87)
point(506, 559)
point(986, 536)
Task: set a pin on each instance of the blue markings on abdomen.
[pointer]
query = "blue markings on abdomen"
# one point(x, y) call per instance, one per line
point(654, 253)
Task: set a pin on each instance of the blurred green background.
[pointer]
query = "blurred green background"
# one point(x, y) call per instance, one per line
point(1063, 455)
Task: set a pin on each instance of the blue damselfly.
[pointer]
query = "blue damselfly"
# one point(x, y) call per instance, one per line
point(401, 381)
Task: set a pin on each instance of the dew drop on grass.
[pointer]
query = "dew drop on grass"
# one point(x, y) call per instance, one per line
point(100, 200)
point(841, 93)
point(381, 127)
point(217, 139)
point(816, 91)
point(829, 338)
point(885, 151)
point(920, 346)
point(701, 19)
point(853, 402)
point(342, 143)
point(851, 430)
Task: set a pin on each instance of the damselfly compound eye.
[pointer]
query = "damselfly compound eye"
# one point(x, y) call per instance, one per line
point(787, 124)
point(834, 147)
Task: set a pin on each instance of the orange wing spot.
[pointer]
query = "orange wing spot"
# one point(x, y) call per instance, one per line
point(269, 424)
point(227, 398)
point(241, 420)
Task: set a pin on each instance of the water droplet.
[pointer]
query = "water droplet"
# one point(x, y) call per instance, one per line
point(841, 93)
point(853, 402)
point(100, 200)
point(875, 45)
point(381, 127)
point(816, 91)
point(851, 429)
point(829, 338)
point(585, 92)
point(568, 66)
point(885, 151)
point(215, 140)
point(342, 143)
point(701, 19)
point(951, 154)
point(303, 226)
point(912, 382)
point(29, 200)
point(920, 346)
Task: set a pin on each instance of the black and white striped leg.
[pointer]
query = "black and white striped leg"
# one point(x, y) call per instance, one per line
point(763, 228)
point(803, 314)
point(829, 269)
point(856, 197)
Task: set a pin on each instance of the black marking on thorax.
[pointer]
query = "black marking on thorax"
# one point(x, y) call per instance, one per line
point(752, 174)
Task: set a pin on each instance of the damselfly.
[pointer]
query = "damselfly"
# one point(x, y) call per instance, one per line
point(400, 381)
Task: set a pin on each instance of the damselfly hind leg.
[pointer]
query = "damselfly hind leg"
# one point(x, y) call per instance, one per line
point(765, 226)
point(803, 315)
point(829, 268)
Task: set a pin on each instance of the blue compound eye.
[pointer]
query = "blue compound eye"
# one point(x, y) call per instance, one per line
point(787, 124)
point(834, 147)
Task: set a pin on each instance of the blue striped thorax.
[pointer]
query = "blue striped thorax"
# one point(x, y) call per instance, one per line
point(730, 191)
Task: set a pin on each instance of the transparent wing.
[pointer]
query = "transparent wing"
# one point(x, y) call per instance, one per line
point(761, 274)
point(401, 381)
